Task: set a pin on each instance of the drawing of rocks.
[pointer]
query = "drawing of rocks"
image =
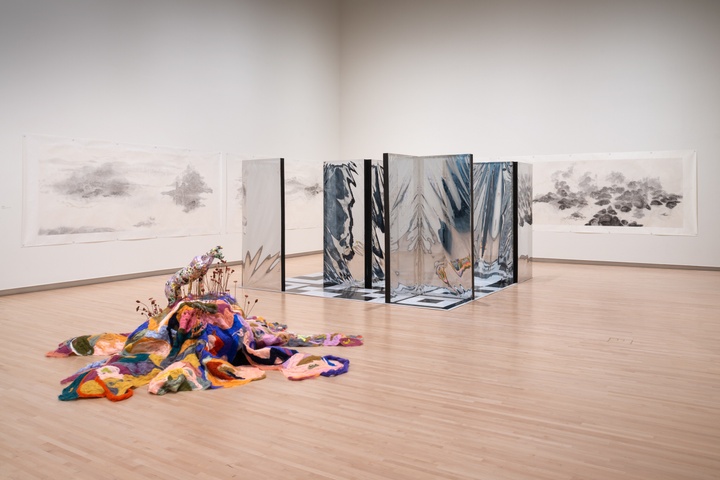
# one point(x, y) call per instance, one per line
point(622, 196)
point(188, 190)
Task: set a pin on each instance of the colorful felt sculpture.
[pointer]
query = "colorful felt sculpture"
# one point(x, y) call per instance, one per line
point(196, 343)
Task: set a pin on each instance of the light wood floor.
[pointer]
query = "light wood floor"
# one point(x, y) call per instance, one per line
point(584, 372)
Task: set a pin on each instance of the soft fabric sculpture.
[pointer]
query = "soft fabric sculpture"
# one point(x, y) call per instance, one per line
point(196, 343)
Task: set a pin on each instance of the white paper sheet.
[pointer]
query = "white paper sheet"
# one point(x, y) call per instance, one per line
point(92, 191)
point(628, 193)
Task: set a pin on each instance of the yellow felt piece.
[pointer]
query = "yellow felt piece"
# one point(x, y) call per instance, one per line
point(91, 389)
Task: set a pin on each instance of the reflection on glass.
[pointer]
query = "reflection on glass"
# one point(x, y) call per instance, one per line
point(494, 243)
point(524, 227)
point(263, 224)
point(344, 223)
point(430, 233)
point(377, 221)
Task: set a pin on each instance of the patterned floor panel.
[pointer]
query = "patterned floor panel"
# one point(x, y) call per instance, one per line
point(312, 285)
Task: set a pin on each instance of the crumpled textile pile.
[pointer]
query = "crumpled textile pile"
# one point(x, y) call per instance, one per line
point(197, 343)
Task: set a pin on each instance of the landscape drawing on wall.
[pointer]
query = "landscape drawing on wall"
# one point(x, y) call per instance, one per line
point(649, 193)
point(90, 191)
point(234, 193)
point(303, 195)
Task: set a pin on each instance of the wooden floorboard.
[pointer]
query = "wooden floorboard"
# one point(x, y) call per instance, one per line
point(584, 372)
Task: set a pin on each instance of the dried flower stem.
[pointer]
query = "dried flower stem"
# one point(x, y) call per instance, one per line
point(150, 311)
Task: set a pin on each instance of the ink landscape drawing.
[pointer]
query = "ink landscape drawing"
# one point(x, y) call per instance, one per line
point(89, 191)
point(303, 195)
point(234, 194)
point(616, 193)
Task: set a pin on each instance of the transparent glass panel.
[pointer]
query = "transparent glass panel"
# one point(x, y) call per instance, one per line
point(263, 224)
point(344, 223)
point(493, 197)
point(430, 234)
point(524, 228)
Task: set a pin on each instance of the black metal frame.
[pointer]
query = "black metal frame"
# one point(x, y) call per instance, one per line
point(282, 224)
point(386, 215)
point(367, 178)
point(516, 220)
point(472, 228)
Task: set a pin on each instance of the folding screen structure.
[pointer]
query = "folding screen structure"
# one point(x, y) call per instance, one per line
point(433, 231)
point(503, 225)
point(354, 226)
point(263, 224)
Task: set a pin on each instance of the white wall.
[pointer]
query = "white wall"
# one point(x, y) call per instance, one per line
point(256, 78)
point(535, 77)
point(316, 80)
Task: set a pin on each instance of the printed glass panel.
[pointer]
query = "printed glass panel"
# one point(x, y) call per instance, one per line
point(344, 223)
point(493, 197)
point(430, 234)
point(377, 220)
point(525, 220)
point(263, 257)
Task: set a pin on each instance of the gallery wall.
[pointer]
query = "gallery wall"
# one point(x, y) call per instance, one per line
point(505, 78)
point(319, 80)
point(255, 79)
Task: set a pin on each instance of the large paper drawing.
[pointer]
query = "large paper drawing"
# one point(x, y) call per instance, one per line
point(653, 192)
point(233, 193)
point(89, 191)
point(303, 195)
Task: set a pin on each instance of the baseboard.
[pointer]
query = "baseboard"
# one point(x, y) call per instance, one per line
point(626, 264)
point(155, 273)
point(89, 281)
point(115, 278)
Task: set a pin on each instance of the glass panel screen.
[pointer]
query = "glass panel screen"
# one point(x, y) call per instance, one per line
point(344, 223)
point(263, 224)
point(494, 243)
point(430, 226)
